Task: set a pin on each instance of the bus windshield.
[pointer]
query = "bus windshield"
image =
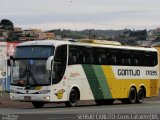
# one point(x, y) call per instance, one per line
point(30, 72)
point(29, 65)
point(34, 52)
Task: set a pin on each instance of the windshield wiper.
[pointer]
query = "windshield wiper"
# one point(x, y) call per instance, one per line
point(27, 72)
point(32, 77)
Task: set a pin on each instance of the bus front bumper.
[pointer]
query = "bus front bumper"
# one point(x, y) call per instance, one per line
point(31, 97)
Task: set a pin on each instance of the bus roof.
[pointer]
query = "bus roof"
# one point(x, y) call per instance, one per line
point(102, 42)
point(44, 42)
point(61, 42)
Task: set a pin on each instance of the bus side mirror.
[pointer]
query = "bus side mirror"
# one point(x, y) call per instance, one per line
point(49, 63)
point(9, 61)
point(3, 73)
point(11, 57)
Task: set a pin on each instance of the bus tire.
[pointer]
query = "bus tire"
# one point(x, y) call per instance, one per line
point(140, 95)
point(132, 96)
point(38, 104)
point(73, 99)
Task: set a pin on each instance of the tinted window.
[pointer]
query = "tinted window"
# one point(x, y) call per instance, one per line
point(110, 56)
point(34, 52)
point(59, 65)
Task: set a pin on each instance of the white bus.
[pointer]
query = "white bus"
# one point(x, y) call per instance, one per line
point(63, 71)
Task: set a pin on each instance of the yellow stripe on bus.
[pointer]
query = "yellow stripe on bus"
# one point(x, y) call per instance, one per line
point(120, 87)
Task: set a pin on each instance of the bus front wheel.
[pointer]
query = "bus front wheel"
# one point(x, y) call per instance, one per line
point(73, 99)
point(38, 104)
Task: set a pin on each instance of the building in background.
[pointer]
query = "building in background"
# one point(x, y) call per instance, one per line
point(50, 35)
point(3, 59)
point(31, 33)
point(46, 36)
point(6, 49)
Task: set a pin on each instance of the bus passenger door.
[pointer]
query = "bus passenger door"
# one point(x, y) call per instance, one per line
point(58, 74)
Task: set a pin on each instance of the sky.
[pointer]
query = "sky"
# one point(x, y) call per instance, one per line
point(82, 14)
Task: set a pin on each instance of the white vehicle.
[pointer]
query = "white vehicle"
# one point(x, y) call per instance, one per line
point(63, 71)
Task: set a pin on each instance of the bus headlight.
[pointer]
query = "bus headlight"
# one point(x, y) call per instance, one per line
point(47, 98)
point(13, 91)
point(43, 92)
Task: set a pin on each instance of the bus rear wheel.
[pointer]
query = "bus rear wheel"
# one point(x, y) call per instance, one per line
point(131, 98)
point(38, 104)
point(140, 95)
point(73, 99)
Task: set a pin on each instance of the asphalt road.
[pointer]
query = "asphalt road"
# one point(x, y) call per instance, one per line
point(148, 110)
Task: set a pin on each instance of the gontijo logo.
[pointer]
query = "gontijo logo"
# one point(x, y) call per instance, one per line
point(59, 94)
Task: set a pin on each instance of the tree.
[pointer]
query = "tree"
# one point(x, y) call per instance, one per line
point(6, 25)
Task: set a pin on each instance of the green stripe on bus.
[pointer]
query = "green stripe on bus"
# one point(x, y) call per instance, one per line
point(102, 81)
point(93, 81)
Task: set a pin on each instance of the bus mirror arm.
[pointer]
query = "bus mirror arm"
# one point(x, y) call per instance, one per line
point(11, 58)
point(49, 62)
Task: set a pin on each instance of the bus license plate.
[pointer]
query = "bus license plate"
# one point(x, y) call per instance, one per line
point(27, 98)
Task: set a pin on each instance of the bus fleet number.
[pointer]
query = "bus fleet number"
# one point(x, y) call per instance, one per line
point(151, 72)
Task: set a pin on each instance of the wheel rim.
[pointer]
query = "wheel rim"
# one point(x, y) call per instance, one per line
point(140, 95)
point(73, 97)
point(133, 95)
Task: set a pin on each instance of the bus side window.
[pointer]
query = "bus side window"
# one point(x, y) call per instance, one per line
point(97, 56)
point(114, 56)
point(103, 59)
point(59, 65)
point(141, 59)
point(113, 60)
point(88, 59)
point(126, 58)
point(154, 59)
point(150, 59)
point(147, 61)
point(61, 54)
point(98, 59)
point(107, 58)
point(74, 55)
point(87, 56)
point(72, 60)
point(80, 59)
point(126, 61)
point(135, 62)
